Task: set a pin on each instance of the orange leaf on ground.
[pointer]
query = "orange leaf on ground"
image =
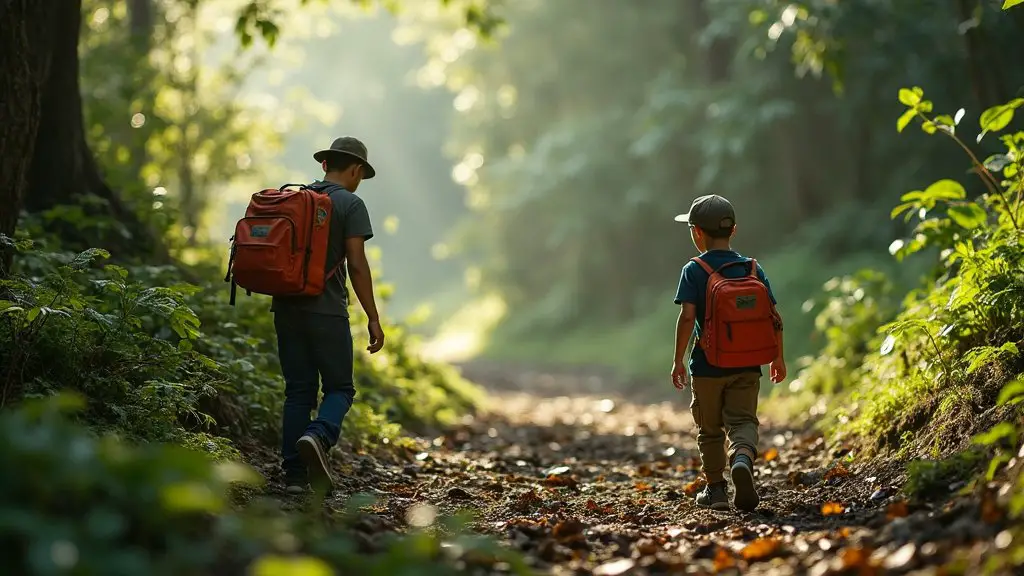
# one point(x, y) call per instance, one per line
point(560, 481)
point(642, 486)
point(761, 549)
point(837, 471)
point(771, 454)
point(697, 485)
point(832, 508)
point(723, 560)
point(897, 510)
point(991, 511)
point(858, 559)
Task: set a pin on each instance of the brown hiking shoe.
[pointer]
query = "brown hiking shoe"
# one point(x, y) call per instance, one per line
point(313, 455)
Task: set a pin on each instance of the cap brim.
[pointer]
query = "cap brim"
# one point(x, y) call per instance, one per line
point(368, 171)
point(684, 218)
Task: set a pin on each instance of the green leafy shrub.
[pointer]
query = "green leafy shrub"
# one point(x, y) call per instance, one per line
point(95, 506)
point(159, 359)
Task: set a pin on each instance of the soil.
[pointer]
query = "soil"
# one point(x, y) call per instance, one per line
point(582, 480)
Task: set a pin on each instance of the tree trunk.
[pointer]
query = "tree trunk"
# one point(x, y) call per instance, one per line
point(45, 160)
point(25, 55)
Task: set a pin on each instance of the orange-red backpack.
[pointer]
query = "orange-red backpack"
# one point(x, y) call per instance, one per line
point(739, 320)
point(280, 246)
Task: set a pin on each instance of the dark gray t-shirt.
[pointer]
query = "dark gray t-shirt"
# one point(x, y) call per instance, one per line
point(350, 219)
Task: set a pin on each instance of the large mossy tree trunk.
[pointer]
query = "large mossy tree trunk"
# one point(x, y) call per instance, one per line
point(45, 159)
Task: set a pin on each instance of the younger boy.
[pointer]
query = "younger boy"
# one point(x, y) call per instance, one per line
point(722, 396)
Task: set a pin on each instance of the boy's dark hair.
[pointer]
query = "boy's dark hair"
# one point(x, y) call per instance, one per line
point(340, 162)
point(718, 233)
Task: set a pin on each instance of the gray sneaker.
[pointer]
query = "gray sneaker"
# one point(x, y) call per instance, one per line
point(315, 458)
point(742, 472)
point(714, 496)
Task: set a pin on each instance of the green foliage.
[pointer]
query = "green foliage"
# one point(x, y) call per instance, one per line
point(928, 478)
point(157, 359)
point(95, 506)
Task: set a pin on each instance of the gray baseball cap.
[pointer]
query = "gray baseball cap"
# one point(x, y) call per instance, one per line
point(711, 212)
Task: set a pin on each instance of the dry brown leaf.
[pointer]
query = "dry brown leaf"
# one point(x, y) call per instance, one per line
point(723, 560)
point(832, 508)
point(991, 511)
point(858, 559)
point(761, 549)
point(837, 471)
point(568, 531)
point(642, 486)
point(697, 485)
point(771, 454)
point(599, 478)
point(897, 510)
point(561, 481)
point(644, 471)
point(844, 532)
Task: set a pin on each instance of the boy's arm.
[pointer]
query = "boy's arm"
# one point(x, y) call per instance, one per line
point(686, 298)
point(684, 333)
point(778, 366)
point(357, 231)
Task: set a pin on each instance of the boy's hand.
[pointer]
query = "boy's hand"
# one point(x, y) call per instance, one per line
point(778, 370)
point(376, 337)
point(680, 377)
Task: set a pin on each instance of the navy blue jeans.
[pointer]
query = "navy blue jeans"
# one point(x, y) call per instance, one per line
point(313, 348)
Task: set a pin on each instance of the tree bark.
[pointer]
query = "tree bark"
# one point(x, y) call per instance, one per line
point(25, 57)
point(63, 169)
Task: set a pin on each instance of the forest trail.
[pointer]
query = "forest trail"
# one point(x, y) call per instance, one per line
point(583, 481)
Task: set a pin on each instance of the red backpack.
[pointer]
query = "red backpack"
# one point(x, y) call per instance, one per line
point(739, 319)
point(280, 246)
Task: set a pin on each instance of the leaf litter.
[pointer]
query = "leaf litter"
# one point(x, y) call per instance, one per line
point(604, 486)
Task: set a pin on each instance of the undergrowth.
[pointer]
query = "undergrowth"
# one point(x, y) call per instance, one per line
point(78, 503)
point(937, 378)
point(162, 360)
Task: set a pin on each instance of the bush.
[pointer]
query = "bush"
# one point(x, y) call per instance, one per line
point(161, 360)
point(95, 506)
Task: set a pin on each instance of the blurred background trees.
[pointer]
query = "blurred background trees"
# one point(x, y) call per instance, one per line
point(529, 175)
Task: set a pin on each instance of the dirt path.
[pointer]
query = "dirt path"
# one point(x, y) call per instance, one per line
point(596, 484)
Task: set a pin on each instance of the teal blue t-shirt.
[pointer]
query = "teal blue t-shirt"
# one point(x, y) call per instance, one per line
point(693, 284)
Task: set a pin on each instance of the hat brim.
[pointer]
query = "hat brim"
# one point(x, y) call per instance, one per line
point(368, 171)
point(684, 218)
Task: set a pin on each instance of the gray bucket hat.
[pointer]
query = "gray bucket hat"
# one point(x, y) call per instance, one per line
point(348, 146)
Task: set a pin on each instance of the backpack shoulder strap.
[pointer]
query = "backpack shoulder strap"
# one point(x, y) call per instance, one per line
point(700, 262)
point(753, 267)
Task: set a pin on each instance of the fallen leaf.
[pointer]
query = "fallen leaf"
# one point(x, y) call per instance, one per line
point(568, 531)
point(837, 471)
point(723, 560)
point(771, 454)
point(991, 511)
point(897, 510)
point(561, 482)
point(832, 508)
point(644, 471)
point(761, 549)
point(642, 486)
point(857, 558)
point(696, 486)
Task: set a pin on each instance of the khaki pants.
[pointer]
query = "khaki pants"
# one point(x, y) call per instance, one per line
point(729, 402)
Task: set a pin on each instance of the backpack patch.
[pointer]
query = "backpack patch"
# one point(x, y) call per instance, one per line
point(321, 216)
point(260, 231)
point(746, 302)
